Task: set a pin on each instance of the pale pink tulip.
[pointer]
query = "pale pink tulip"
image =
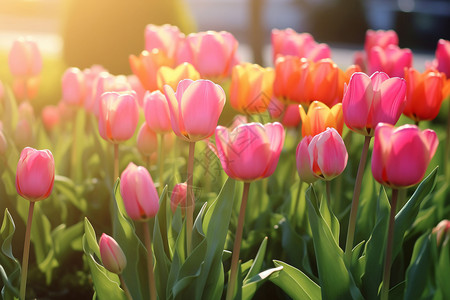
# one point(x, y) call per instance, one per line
point(50, 117)
point(73, 87)
point(25, 59)
point(166, 38)
point(304, 163)
point(112, 256)
point(106, 82)
point(147, 141)
point(156, 112)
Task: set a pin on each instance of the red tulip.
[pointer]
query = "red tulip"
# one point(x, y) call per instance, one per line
point(139, 193)
point(251, 151)
point(112, 256)
point(35, 174)
point(370, 100)
point(156, 112)
point(401, 155)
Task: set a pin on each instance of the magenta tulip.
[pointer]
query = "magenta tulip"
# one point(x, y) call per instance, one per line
point(392, 60)
point(443, 57)
point(251, 151)
point(156, 112)
point(112, 256)
point(304, 162)
point(35, 174)
point(73, 87)
point(195, 108)
point(25, 59)
point(178, 196)
point(370, 100)
point(139, 193)
point(401, 155)
point(118, 116)
point(380, 38)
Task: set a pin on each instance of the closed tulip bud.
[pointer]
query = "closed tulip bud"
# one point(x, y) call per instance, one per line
point(371, 100)
point(136, 86)
point(381, 38)
point(23, 135)
point(401, 155)
point(156, 112)
point(112, 256)
point(26, 111)
point(139, 193)
point(73, 87)
point(90, 80)
point(328, 154)
point(251, 88)
point(147, 141)
point(106, 82)
point(118, 117)
point(167, 38)
point(443, 57)
point(251, 151)
point(423, 94)
point(320, 117)
point(442, 232)
point(195, 108)
point(171, 76)
point(178, 196)
point(35, 174)
point(3, 144)
point(291, 116)
point(304, 162)
point(146, 66)
point(50, 117)
point(25, 59)
point(391, 60)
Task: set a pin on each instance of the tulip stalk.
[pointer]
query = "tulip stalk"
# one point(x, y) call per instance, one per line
point(151, 275)
point(125, 288)
point(447, 145)
point(161, 162)
point(116, 162)
point(237, 243)
point(390, 239)
point(355, 201)
point(297, 201)
point(328, 189)
point(26, 253)
point(190, 205)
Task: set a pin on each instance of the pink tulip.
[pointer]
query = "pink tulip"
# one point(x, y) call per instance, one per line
point(50, 117)
point(35, 174)
point(156, 112)
point(391, 60)
point(251, 151)
point(380, 38)
point(73, 87)
point(139, 193)
point(106, 82)
point(90, 79)
point(147, 141)
point(442, 232)
point(166, 38)
point(118, 116)
point(25, 59)
point(291, 116)
point(443, 57)
point(137, 86)
point(178, 196)
point(304, 162)
point(401, 155)
point(370, 100)
point(213, 54)
point(112, 256)
point(195, 108)
point(327, 154)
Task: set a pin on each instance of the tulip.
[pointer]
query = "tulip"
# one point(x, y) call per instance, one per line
point(73, 87)
point(401, 155)
point(50, 117)
point(23, 135)
point(25, 60)
point(112, 256)
point(139, 193)
point(26, 88)
point(195, 108)
point(26, 111)
point(136, 86)
point(90, 82)
point(391, 60)
point(423, 94)
point(304, 162)
point(213, 54)
point(118, 116)
point(147, 141)
point(443, 57)
point(292, 79)
point(156, 112)
point(146, 66)
point(380, 38)
point(167, 38)
point(178, 196)
point(327, 82)
point(370, 100)
point(288, 42)
point(35, 174)
point(291, 116)
point(106, 82)
point(320, 117)
point(442, 232)
point(251, 151)
point(251, 88)
point(171, 76)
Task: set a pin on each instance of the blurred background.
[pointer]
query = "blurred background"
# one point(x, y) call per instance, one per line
point(84, 32)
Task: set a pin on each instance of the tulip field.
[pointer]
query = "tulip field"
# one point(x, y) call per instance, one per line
point(202, 176)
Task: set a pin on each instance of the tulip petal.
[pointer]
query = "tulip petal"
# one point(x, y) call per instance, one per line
point(357, 101)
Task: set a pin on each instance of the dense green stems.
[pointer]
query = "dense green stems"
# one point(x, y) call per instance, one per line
point(161, 162)
point(26, 253)
point(116, 162)
point(151, 275)
point(355, 201)
point(447, 145)
point(390, 240)
point(328, 188)
point(125, 288)
point(190, 198)
point(237, 243)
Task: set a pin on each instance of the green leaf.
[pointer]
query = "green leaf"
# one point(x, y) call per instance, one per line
point(443, 269)
point(258, 261)
point(9, 265)
point(295, 283)
point(106, 284)
point(251, 282)
point(417, 274)
point(330, 260)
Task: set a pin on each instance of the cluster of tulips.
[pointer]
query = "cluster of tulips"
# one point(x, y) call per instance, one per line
point(180, 85)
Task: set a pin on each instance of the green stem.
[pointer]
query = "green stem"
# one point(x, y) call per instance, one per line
point(297, 200)
point(116, 162)
point(151, 275)
point(161, 162)
point(26, 253)
point(355, 201)
point(237, 243)
point(447, 145)
point(125, 288)
point(73, 158)
point(190, 205)
point(390, 241)
point(328, 189)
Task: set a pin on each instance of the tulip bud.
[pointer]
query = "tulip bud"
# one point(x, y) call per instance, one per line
point(50, 117)
point(156, 112)
point(304, 161)
point(443, 57)
point(25, 59)
point(442, 231)
point(178, 196)
point(23, 135)
point(112, 256)
point(147, 141)
point(139, 193)
point(291, 117)
point(73, 87)
point(35, 174)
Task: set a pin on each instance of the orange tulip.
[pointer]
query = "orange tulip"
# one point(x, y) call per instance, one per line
point(251, 88)
point(327, 82)
point(320, 117)
point(171, 76)
point(292, 79)
point(146, 66)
